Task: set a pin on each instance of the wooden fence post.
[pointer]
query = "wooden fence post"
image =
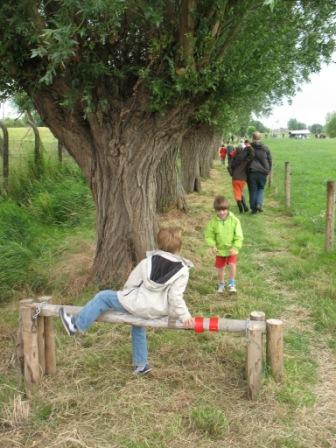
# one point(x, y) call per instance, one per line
point(254, 357)
point(41, 342)
point(274, 347)
point(257, 315)
point(37, 146)
point(47, 348)
point(5, 156)
point(287, 185)
point(330, 215)
point(30, 344)
point(50, 347)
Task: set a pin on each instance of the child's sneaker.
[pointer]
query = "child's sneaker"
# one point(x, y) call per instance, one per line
point(232, 287)
point(66, 319)
point(221, 288)
point(142, 370)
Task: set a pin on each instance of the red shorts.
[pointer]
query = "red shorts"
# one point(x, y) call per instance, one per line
point(223, 261)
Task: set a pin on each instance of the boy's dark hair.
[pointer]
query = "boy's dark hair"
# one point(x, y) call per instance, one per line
point(220, 202)
point(169, 239)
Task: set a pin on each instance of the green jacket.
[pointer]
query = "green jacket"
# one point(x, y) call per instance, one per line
point(224, 234)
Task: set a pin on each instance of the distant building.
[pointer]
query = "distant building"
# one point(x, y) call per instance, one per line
point(301, 133)
point(280, 132)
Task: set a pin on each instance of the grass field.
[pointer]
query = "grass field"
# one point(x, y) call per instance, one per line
point(21, 147)
point(195, 395)
point(313, 163)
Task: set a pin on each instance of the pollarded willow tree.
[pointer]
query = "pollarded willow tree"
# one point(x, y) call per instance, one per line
point(119, 82)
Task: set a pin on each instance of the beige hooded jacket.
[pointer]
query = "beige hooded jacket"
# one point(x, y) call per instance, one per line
point(156, 285)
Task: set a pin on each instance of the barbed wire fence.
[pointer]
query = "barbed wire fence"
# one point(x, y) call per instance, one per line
point(324, 206)
point(16, 152)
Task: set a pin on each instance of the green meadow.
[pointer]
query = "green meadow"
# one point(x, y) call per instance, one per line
point(196, 393)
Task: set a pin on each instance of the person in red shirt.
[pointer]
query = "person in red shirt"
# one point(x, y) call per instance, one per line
point(222, 153)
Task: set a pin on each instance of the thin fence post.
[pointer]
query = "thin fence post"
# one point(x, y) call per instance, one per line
point(5, 156)
point(330, 216)
point(254, 357)
point(37, 146)
point(270, 179)
point(274, 347)
point(287, 185)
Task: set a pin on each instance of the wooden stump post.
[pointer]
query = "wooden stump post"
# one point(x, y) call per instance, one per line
point(287, 185)
point(47, 348)
point(274, 347)
point(50, 348)
point(330, 216)
point(254, 357)
point(30, 344)
point(19, 346)
point(41, 342)
point(257, 315)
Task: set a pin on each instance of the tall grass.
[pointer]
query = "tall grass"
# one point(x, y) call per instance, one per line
point(44, 203)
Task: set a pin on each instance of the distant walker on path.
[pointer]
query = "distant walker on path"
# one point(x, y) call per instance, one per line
point(257, 172)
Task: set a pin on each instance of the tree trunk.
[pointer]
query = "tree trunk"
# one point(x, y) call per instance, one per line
point(217, 141)
point(205, 136)
point(196, 156)
point(169, 192)
point(119, 155)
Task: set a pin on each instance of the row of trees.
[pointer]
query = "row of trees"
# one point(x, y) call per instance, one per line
point(126, 84)
point(316, 128)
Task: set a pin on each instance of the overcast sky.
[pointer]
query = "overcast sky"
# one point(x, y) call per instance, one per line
point(311, 104)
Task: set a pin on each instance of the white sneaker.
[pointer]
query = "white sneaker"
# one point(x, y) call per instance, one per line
point(232, 288)
point(67, 322)
point(221, 288)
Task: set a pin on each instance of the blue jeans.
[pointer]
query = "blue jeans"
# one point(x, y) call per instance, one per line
point(108, 300)
point(256, 183)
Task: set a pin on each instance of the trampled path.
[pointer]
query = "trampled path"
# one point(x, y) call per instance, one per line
point(269, 238)
point(93, 401)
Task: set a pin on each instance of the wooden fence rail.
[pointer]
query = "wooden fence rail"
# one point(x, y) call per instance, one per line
point(37, 353)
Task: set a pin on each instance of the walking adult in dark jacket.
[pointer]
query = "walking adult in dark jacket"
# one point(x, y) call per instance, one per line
point(257, 172)
point(237, 170)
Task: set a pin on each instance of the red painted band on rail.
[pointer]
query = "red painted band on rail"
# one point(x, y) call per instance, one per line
point(198, 324)
point(213, 324)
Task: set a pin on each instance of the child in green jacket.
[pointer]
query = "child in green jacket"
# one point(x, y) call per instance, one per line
point(225, 236)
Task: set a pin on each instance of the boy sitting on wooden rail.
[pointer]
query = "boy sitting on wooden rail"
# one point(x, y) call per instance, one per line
point(154, 289)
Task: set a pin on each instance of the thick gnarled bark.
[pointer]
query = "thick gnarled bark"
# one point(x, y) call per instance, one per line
point(197, 153)
point(120, 159)
point(170, 193)
point(205, 139)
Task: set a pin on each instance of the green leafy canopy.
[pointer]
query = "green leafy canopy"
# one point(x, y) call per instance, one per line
point(221, 57)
